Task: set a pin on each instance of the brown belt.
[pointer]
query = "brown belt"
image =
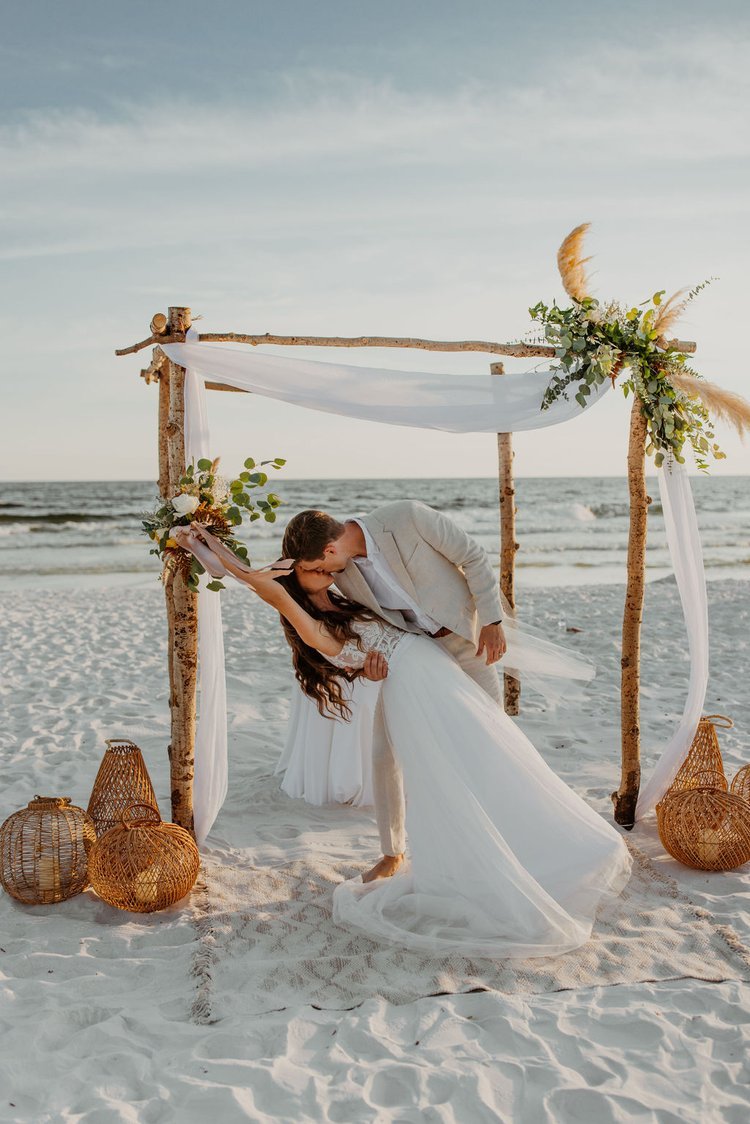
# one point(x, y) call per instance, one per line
point(441, 632)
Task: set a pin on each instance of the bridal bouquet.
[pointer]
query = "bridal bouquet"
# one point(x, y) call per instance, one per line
point(213, 500)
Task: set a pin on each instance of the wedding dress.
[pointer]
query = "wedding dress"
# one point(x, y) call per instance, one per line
point(504, 860)
point(329, 760)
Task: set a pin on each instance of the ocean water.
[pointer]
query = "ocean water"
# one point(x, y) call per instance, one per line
point(571, 530)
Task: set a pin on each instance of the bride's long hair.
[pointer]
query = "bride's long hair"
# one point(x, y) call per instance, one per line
point(318, 678)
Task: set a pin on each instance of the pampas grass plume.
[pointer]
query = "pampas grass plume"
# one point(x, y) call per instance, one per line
point(724, 404)
point(570, 262)
point(669, 313)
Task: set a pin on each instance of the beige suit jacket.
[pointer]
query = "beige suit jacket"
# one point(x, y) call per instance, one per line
point(438, 565)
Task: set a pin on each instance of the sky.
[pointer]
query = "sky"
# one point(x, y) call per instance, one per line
point(343, 168)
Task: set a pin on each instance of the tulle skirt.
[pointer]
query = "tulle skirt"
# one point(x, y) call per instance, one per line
point(504, 859)
point(329, 760)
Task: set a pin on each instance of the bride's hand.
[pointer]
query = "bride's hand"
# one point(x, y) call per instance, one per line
point(201, 531)
point(181, 536)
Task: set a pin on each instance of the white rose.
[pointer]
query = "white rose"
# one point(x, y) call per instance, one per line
point(185, 504)
point(157, 534)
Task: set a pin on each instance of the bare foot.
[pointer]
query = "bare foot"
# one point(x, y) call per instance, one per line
point(387, 867)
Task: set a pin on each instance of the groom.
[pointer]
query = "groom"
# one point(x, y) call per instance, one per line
point(417, 569)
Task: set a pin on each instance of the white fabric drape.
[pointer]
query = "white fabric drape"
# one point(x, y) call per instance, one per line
point(211, 769)
point(687, 562)
point(457, 404)
point(454, 403)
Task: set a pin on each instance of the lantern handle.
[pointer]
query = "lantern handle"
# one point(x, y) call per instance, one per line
point(109, 742)
point(726, 723)
point(138, 820)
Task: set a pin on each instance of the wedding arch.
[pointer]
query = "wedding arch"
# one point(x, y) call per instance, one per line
point(185, 363)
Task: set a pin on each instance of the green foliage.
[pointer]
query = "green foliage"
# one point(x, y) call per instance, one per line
point(593, 343)
point(216, 501)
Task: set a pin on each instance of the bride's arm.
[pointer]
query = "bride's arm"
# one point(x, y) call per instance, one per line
point(310, 630)
point(265, 584)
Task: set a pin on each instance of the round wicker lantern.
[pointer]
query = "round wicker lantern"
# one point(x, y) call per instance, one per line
point(141, 865)
point(122, 780)
point(741, 783)
point(44, 851)
point(704, 828)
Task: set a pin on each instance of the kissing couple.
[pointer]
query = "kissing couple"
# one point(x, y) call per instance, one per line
point(491, 853)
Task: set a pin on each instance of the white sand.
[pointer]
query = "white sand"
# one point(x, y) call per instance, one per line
point(95, 1016)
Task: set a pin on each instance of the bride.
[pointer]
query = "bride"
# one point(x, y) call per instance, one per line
point(504, 859)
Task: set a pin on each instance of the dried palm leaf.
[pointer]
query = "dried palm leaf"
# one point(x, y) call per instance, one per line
point(213, 518)
point(571, 263)
point(724, 404)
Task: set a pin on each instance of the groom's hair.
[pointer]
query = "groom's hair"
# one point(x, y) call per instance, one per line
point(308, 534)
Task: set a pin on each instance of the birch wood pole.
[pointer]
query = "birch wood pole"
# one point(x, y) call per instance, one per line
point(164, 479)
point(182, 603)
point(164, 491)
point(508, 544)
point(627, 795)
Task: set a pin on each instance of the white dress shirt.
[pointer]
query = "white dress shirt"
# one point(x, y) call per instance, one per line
point(382, 581)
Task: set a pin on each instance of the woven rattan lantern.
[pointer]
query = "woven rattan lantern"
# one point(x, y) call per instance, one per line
point(142, 865)
point(705, 828)
point(741, 783)
point(122, 780)
point(44, 851)
point(703, 766)
point(701, 824)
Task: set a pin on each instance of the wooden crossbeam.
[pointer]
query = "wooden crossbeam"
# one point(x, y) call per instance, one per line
point(514, 350)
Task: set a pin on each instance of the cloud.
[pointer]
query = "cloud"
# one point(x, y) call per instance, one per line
point(669, 100)
point(636, 131)
point(348, 204)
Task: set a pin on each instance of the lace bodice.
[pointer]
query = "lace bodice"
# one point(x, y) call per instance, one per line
point(376, 636)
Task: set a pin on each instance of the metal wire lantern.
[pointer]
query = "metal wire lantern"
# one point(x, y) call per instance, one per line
point(44, 851)
point(706, 829)
point(122, 781)
point(142, 865)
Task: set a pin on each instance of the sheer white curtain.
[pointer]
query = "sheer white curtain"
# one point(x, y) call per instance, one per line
point(456, 404)
point(211, 768)
point(687, 562)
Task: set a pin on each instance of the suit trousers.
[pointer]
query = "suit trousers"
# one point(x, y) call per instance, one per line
point(387, 780)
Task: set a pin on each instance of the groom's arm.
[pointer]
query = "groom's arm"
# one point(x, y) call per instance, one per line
point(447, 538)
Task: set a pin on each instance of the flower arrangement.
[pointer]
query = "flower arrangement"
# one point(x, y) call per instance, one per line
point(594, 342)
point(216, 502)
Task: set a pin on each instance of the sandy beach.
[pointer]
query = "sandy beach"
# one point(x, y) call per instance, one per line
point(110, 1016)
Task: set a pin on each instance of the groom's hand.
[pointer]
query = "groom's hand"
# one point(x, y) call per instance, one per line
point(492, 641)
point(375, 666)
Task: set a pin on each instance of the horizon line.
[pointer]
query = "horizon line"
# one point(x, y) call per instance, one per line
point(364, 479)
